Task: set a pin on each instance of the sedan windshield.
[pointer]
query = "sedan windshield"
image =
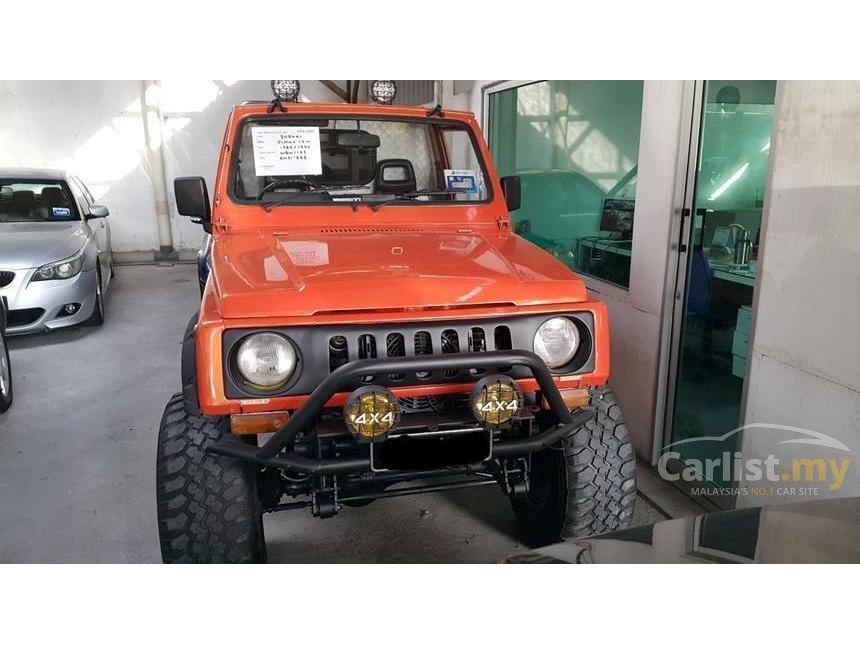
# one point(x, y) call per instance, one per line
point(31, 200)
point(284, 160)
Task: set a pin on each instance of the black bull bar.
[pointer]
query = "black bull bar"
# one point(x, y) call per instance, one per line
point(270, 453)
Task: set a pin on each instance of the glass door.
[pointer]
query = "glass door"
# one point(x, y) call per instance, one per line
point(721, 239)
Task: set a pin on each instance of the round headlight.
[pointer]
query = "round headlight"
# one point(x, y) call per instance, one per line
point(556, 341)
point(266, 360)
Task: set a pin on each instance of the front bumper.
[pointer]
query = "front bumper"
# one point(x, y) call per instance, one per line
point(277, 451)
point(37, 306)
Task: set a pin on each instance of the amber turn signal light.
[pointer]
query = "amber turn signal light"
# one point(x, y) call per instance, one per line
point(258, 423)
point(573, 398)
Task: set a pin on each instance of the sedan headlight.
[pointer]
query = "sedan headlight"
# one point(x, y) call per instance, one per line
point(60, 270)
point(266, 360)
point(556, 341)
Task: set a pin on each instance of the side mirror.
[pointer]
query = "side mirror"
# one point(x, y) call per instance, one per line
point(97, 210)
point(192, 200)
point(512, 192)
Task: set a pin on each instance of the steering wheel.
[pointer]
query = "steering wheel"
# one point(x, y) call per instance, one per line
point(304, 184)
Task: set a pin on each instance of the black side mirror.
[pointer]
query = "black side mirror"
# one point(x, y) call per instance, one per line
point(512, 192)
point(192, 200)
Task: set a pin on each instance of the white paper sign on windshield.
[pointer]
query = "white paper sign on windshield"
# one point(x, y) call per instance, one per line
point(284, 150)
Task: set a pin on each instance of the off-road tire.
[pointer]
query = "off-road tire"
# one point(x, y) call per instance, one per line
point(208, 505)
point(585, 485)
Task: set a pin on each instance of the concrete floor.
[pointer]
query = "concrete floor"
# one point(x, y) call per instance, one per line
point(77, 454)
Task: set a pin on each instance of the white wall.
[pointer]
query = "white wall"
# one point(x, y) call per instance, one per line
point(91, 127)
point(95, 128)
point(805, 354)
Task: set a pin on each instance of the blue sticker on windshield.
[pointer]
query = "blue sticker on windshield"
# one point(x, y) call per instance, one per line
point(62, 212)
point(461, 181)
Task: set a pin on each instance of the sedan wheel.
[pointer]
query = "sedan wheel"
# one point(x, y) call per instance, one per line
point(98, 316)
point(5, 376)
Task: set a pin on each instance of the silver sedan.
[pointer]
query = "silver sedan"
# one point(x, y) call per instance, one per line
point(55, 253)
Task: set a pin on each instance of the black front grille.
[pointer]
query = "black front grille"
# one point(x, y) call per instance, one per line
point(23, 317)
point(6, 278)
point(422, 343)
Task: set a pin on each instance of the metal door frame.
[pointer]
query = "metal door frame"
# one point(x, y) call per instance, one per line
point(674, 303)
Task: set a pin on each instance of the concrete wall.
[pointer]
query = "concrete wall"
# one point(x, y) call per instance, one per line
point(95, 128)
point(805, 355)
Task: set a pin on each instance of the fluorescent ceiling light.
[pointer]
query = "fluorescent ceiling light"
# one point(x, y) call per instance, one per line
point(737, 175)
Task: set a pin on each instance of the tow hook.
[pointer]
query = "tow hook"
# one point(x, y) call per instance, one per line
point(324, 502)
point(516, 477)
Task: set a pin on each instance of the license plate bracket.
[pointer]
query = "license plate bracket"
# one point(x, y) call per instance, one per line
point(431, 450)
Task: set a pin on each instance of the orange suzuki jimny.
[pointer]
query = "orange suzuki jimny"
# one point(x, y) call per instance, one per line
point(372, 327)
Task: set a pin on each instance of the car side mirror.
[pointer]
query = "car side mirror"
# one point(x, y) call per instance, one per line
point(192, 200)
point(512, 191)
point(97, 210)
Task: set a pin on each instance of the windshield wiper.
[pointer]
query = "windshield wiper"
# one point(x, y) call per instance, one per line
point(287, 200)
point(411, 196)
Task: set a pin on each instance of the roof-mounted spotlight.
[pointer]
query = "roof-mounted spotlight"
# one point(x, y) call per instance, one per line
point(383, 92)
point(287, 91)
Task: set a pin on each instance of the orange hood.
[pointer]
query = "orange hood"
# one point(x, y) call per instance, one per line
point(305, 272)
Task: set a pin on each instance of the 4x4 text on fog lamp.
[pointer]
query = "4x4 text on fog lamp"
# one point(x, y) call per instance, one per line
point(496, 399)
point(371, 412)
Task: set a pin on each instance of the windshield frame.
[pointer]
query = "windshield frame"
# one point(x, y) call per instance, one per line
point(77, 215)
point(459, 125)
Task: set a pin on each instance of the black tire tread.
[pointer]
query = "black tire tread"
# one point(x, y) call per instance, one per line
point(591, 479)
point(601, 469)
point(208, 509)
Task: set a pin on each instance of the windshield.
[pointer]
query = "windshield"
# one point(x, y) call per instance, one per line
point(300, 160)
point(31, 200)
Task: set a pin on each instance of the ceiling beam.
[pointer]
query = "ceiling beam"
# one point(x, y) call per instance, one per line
point(336, 89)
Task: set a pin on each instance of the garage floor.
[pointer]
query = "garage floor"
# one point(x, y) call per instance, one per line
point(77, 453)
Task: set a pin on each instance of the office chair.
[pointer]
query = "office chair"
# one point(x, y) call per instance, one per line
point(699, 306)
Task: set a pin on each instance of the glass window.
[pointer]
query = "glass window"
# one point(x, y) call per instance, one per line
point(575, 145)
point(321, 160)
point(34, 200)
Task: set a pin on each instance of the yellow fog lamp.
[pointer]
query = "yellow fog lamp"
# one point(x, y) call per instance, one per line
point(371, 412)
point(496, 399)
